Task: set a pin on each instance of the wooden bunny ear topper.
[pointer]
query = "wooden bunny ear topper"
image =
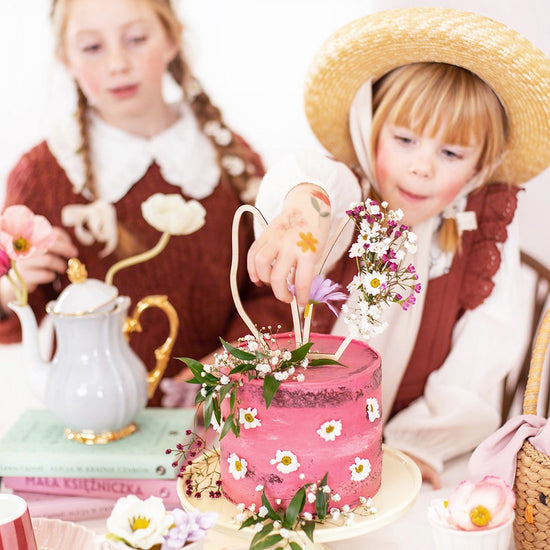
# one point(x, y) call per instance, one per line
point(383, 275)
point(323, 290)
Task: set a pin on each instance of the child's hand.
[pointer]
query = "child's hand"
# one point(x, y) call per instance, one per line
point(42, 268)
point(290, 247)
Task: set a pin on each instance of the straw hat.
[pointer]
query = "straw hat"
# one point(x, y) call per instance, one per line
point(369, 47)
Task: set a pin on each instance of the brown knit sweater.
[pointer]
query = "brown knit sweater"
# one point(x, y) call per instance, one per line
point(193, 270)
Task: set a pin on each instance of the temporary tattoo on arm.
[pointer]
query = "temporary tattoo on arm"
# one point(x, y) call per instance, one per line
point(307, 242)
point(317, 196)
point(295, 219)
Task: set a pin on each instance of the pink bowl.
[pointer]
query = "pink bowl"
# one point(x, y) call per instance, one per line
point(55, 534)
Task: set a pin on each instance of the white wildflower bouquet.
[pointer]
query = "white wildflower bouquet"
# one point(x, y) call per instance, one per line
point(380, 247)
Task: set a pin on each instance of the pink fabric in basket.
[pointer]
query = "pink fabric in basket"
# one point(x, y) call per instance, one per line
point(498, 453)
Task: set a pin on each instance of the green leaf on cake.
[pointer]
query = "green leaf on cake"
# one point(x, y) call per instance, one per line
point(208, 409)
point(295, 546)
point(294, 508)
point(226, 426)
point(300, 353)
point(198, 371)
point(321, 500)
point(268, 542)
point(325, 361)
point(236, 352)
point(270, 511)
point(308, 528)
point(271, 385)
point(244, 367)
point(268, 527)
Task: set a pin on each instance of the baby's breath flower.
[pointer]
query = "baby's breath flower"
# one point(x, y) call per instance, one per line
point(380, 247)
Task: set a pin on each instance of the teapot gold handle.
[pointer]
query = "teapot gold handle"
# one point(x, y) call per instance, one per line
point(163, 352)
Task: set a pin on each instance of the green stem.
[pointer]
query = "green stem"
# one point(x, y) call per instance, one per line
point(138, 258)
point(21, 292)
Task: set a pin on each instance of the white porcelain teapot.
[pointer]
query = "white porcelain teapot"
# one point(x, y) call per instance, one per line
point(95, 384)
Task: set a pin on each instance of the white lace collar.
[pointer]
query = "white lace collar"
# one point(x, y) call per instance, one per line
point(186, 157)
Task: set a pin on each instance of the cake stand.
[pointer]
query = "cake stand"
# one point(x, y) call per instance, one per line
point(401, 482)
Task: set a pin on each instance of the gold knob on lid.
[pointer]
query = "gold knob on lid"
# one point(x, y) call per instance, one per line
point(76, 271)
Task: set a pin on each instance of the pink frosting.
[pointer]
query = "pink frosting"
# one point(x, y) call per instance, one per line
point(297, 412)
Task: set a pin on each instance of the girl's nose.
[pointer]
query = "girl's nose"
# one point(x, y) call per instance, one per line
point(117, 60)
point(422, 165)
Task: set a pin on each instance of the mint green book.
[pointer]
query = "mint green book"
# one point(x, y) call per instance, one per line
point(35, 446)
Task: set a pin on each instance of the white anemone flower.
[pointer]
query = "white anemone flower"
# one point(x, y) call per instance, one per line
point(172, 214)
point(330, 430)
point(360, 469)
point(169, 214)
point(237, 466)
point(248, 418)
point(286, 461)
point(141, 523)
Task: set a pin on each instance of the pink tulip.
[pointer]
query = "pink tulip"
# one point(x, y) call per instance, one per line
point(24, 234)
point(5, 262)
point(484, 505)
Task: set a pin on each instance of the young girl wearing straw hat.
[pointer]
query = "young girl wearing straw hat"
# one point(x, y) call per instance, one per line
point(443, 114)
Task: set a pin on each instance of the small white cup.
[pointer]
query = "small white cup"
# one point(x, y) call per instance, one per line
point(16, 532)
point(448, 538)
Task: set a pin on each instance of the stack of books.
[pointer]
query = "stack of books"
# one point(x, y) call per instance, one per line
point(72, 481)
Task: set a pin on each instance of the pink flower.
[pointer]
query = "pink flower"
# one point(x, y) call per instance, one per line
point(23, 234)
point(484, 505)
point(5, 263)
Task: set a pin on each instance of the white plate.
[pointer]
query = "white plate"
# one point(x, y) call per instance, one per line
point(55, 534)
point(401, 482)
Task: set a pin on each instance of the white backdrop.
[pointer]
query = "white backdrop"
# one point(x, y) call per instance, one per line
point(251, 56)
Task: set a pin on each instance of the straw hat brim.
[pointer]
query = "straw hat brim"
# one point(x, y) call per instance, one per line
point(370, 47)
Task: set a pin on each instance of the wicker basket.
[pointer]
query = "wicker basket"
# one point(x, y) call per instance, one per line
point(532, 482)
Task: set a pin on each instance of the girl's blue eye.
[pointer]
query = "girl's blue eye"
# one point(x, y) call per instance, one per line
point(91, 48)
point(451, 154)
point(138, 39)
point(403, 139)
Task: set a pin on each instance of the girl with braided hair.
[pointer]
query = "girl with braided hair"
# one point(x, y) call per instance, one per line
point(125, 143)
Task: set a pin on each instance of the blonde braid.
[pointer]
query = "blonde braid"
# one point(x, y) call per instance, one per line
point(88, 190)
point(239, 164)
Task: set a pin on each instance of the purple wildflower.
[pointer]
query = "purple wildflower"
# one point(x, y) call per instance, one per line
point(188, 527)
point(325, 291)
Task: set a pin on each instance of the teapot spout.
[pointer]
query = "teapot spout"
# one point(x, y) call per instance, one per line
point(36, 369)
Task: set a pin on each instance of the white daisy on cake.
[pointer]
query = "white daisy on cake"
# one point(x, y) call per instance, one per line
point(360, 469)
point(330, 430)
point(248, 418)
point(373, 409)
point(237, 466)
point(286, 461)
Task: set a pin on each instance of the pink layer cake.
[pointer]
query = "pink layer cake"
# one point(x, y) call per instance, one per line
point(329, 422)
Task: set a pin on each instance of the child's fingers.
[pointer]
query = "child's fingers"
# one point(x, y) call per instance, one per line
point(280, 274)
point(63, 244)
point(260, 259)
point(302, 279)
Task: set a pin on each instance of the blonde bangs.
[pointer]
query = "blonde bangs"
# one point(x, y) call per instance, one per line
point(426, 97)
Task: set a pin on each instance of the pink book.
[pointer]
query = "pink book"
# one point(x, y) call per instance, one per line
point(96, 488)
point(67, 508)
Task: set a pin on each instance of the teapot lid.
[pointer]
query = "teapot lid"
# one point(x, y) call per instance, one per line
point(83, 295)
